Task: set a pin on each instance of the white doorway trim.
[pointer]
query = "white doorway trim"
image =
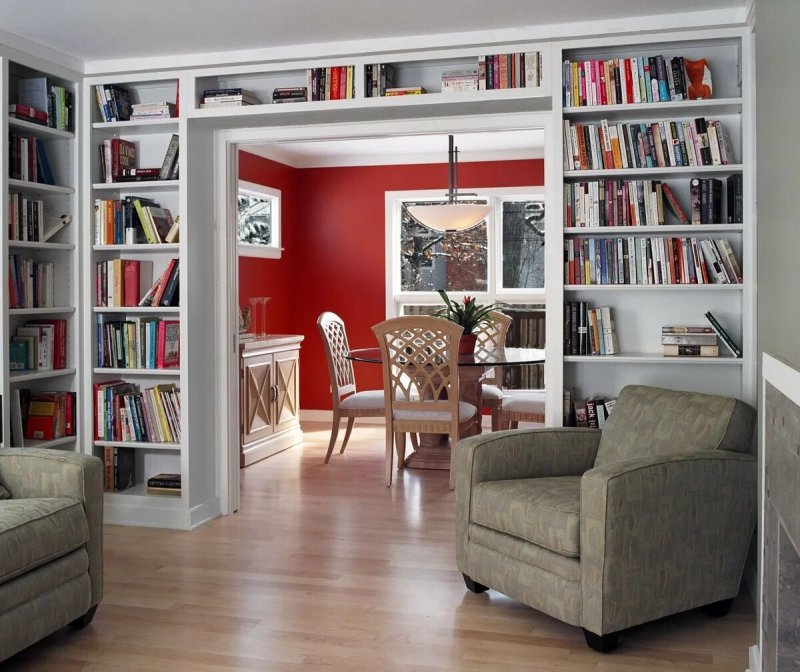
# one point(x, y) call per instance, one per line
point(226, 146)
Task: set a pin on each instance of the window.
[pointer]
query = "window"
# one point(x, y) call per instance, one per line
point(500, 260)
point(259, 220)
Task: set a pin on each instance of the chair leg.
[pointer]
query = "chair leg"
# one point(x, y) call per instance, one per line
point(334, 434)
point(349, 429)
point(414, 441)
point(496, 413)
point(400, 445)
point(601, 643)
point(453, 442)
point(389, 454)
point(717, 609)
point(514, 424)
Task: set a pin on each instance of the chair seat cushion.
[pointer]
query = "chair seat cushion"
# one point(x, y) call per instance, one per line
point(465, 412)
point(529, 402)
point(543, 511)
point(36, 531)
point(491, 392)
point(366, 400)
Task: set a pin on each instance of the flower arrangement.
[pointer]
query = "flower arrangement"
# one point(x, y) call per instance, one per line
point(468, 313)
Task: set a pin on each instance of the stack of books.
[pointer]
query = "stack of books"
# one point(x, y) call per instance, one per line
point(290, 94)
point(405, 91)
point(589, 331)
point(27, 113)
point(162, 110)
point(457, 81)
point(232, 97)
point(679, 341)
point(334, 83)
point(164, 484)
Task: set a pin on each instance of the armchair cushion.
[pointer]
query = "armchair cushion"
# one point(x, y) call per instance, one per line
point(650, 421)
point(543, 511)
point(36, 531)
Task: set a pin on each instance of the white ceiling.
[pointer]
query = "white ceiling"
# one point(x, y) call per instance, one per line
point(96, 30)
point(494, 146)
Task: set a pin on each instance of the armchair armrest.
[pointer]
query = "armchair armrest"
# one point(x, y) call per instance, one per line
point(29, 473)
point(514, 454)
point(660, 535)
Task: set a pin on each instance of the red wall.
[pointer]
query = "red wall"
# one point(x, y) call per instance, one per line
point(336, 259)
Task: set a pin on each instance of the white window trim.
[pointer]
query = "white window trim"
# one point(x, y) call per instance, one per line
point(395, 298)
point(274, 250)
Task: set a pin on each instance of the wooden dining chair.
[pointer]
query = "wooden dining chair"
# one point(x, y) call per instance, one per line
point(346, 400)
point(420, 375)
point(492, 335)
point(524, 407)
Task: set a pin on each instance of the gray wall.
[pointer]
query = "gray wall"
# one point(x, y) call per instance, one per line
point(778, 194)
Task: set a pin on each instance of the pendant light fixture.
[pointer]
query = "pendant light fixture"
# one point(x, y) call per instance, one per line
point(451, 215)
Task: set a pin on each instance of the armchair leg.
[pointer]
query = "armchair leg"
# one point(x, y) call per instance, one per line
point(83, 621)
point(474, 586)
point(717, 609)
point(601, 643)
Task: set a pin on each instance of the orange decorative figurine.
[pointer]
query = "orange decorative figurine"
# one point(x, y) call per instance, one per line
point(699, 78)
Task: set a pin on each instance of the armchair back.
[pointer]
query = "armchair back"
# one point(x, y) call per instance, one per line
point(650, 422)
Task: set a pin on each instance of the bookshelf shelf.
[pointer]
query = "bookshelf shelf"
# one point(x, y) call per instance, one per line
point(38, 187)
point(139, 492)
point(175, 372)
point(53, 443)
point(650, 358)
point(137, 186)
point(138, 310)
point(651, 230)
point(31, 245)
point(651, 173)
point(137, 126)
point(711, 107)
point(654, 288)
point(143, 445)
point(40, 131)
point(17, 377)
point(144, 248)
point(57, 310)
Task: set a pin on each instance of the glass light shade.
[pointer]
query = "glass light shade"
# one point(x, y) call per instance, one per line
point(450, 216)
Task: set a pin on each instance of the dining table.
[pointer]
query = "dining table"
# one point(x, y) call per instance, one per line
point(432, 451)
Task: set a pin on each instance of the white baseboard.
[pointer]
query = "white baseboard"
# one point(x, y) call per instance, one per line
point(755, 660)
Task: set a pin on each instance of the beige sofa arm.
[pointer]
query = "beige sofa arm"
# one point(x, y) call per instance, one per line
point(29, 473)
point(513, 454)
point(660, 535)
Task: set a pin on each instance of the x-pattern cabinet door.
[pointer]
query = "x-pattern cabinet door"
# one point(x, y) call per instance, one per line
point(258, 398)
point(287, 385)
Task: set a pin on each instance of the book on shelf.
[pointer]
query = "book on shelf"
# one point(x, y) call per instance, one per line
point(510, 71)
point(637, 260)
point(691, 350)
point(160, 110)
point(706, 199)
point(124, 412)
point(658, 144)
point(170, 158)
point(231, 97)
point(589, 331)
point(379, 77)
point(45, 95)
point(42, 416)
point(689, 341)
point(157, 222)
point(113, 102)
point(290, 94)
point(28, 160)
point(28, 113)
point(138, 343)
point(591, 412)
point(673, 205)
point(724, 336)
point(41, 345)
point(612, 202)
point(31, 283)
point(405, 91)
point(624, 81)
point(165, 290)
point(119, 468)
point(164, 484)
point(735, 197)
point(118, 155)
point(459, 81)
point(169, 492)
point(119, 282)
point(118, 222)
point(332, 83)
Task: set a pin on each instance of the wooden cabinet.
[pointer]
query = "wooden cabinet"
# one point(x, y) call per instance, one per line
point(269, 396)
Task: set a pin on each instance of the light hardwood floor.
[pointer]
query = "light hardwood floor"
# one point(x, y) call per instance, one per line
point(325, 568)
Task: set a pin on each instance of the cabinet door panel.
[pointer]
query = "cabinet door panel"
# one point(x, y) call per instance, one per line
point(287, 404)
point(257, 402)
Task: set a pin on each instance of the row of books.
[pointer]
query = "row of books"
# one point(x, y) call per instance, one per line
point(114, 103)
point(230, 97)
point(39, 345)
point(682, 341)
point(603, 145)
point(42, 416)
point(29, 221)
point(118, 162)
point(589, 331)
point(166, 290)
point(28, 159)
point(622, 81)
point(141, 343)
point(510, 71)
point(123, 412)
point(164, 484)
point(591, 412)
point(44, 95)
point(637, 260)
point(333, 83)
point(378, 77)
point(30, 283)
point(132, 220)
point(119, 468)
point(118, 282)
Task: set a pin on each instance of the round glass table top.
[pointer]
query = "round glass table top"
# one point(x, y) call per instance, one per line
point(497, 357)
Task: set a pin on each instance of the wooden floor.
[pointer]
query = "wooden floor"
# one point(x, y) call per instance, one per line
point(325, 568)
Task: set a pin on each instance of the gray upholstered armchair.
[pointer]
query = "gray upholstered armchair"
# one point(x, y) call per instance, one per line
point(51, 543)
point(608, 529)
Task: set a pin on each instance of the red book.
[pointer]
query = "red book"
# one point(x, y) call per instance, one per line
point(27, 112)
point(69, 425)
point(603, 84)
point(335, 77)
point(343, 81)
point(42, 413)
point(164, 282)
point(628, 95)
point(168, 344)
point(131, 278)
point(59, 341)
point(123, 155)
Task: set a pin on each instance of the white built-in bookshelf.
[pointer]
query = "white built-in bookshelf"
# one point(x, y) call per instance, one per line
point(32, 239)
point(640, 310)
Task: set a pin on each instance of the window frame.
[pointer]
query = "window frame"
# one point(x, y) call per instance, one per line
point(396, 298)
point(274, 249)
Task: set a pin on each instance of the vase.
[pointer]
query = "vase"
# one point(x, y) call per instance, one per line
point(466, 346)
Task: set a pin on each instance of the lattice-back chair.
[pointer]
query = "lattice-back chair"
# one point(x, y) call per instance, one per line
point(420, 376)
point(492, 335)
point(347, 401)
